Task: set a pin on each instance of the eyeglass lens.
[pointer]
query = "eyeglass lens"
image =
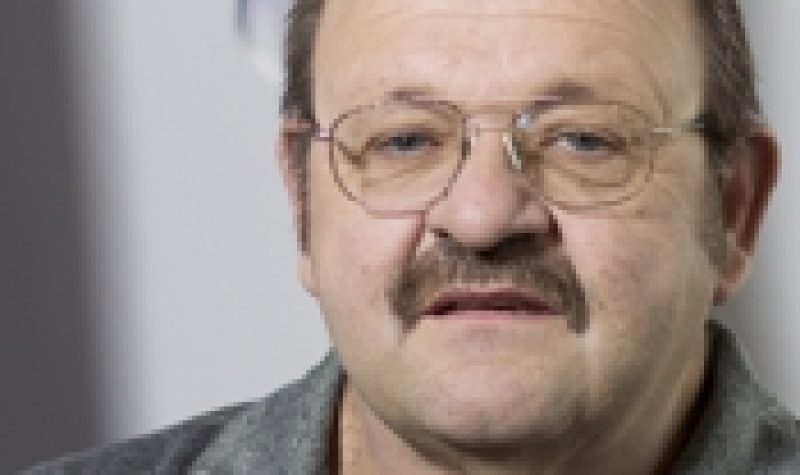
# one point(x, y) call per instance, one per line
point(402, 156)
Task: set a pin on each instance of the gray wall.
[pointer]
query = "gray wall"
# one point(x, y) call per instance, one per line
point(47, 384)
point(147, 263)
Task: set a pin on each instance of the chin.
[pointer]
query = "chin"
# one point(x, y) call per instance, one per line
point(496, 408)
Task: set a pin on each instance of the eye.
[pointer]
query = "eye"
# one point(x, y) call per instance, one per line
point(581, 141)
point(406, 143)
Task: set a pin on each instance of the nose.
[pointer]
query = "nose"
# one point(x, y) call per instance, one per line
point(490, 201)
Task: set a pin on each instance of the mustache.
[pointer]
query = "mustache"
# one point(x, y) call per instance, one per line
point(528, 262)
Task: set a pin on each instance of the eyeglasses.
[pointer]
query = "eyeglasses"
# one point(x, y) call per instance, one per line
point(404, 155)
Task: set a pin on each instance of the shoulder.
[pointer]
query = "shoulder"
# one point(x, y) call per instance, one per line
point(165, 451)
point(776, 440)
point(742, 427)
point(178, 448)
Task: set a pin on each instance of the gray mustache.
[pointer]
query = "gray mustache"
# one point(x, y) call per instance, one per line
point(528, 262)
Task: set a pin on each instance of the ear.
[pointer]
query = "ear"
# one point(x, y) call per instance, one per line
point(290, 142)
point(746, 188)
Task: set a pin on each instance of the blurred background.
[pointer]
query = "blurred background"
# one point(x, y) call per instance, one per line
point(147, 260)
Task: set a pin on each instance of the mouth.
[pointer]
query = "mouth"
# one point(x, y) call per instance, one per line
point(489, 305)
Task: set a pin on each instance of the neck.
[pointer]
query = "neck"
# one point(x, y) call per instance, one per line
point(647, 439)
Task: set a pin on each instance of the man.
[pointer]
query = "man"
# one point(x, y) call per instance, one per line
point(516, 216)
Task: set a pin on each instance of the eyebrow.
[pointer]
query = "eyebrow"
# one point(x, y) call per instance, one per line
point(562, 90)
point(411, 92)
point(571, 90)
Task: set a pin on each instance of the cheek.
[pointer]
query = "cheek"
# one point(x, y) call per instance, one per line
point(638, 271)
point(630, 281)
point(355, 257)
point(649, 253)
point(647, 280)
point(618, 265)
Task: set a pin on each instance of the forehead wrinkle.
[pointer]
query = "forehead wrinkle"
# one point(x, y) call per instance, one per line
point(655, 12)
point(676, 14)
point(412, 82)
point(530, 16)
point(383, 19)
point(684, 44)
point(622, 29)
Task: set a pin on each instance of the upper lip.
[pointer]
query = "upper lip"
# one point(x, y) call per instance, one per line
point(498, 300)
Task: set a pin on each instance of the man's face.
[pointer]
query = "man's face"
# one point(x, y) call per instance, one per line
point(639, 268)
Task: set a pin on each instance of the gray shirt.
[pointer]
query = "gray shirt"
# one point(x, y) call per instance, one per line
point(742, 429)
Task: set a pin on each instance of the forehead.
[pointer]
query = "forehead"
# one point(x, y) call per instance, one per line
point(644, 51)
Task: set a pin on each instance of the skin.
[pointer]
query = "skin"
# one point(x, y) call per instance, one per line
point(512, 396)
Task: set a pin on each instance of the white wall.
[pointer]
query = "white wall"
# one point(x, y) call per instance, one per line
point(196, 297)
point(197, 302)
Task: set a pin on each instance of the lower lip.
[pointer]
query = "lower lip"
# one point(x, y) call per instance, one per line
point(480, 315)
